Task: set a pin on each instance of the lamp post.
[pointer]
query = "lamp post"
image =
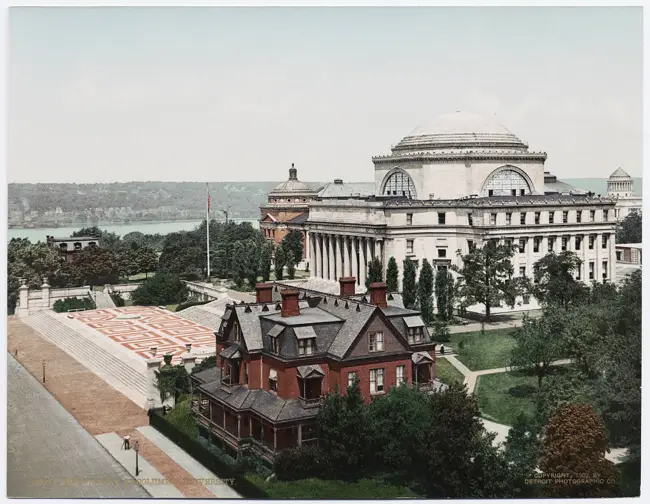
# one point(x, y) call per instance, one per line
point(136, 447)
point(43, 371)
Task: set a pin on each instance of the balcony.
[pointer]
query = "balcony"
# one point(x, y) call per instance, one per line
point(311, 402)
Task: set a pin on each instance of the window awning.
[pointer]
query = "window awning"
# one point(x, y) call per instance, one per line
point(312, 371)
point(275, 331)
point(414, 321)
point(305, 332)
point(421, 357)
point(231, 352)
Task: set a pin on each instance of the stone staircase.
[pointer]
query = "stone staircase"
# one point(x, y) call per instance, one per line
point(111, 369)
point(103, 300)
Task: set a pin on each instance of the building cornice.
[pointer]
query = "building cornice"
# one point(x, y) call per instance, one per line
point(468, 156)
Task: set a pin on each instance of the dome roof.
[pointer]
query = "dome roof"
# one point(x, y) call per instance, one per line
point(461, 130)
point(619, 174)
point(293, 185)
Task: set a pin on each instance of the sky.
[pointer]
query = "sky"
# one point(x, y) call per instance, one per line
point(238, 94)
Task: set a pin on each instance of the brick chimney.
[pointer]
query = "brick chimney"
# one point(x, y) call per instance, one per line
point(378, 294)
point(264, 293)
point(290, 307)
point(347, 286)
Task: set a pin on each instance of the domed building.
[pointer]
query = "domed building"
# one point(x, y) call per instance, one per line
point(621, 186)
point(449, 185)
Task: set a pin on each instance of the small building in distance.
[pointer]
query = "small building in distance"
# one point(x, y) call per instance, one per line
point(68, 246)
point(278, 357)
point(629, 253)
point(620, 185)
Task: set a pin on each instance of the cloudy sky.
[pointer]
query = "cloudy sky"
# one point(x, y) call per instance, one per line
point(119, 94)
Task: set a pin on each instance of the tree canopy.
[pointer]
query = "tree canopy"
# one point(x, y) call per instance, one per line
point(554, 279)
point(425, 292)
point(630, 228)
point(409, 286)
point(161, 289)
point(392, 276)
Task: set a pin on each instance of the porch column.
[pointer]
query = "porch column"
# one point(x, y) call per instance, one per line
point(363, 268)
point(339, 257)
point(331, 274)
point(275, 438)
point(355, 263)
point(238, 426)
point(346, 257)
point(299, 434)
point(250, 427)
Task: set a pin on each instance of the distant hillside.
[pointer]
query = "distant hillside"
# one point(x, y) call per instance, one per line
point(599, 185)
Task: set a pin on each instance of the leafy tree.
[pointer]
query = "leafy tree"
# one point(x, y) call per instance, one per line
point(487, 275)
point(630, 229)
point(409, 286)
point(239, 264)
point(173, 380)
point(93, 232)
point(538, 344)
point(583, 339)
point(207, 363)
point(523, 450)
point(252, 262)
point(575, 443)
point(147, 260)
point(291, 265)
point(265, 261)
point(555, 284)
point(392, 274)
point(97, 266)
point(561, 388)
point(280, 261)
point(161, 289)
point(425, 292)
point(68, 304)
point(375, 272)
point(182, 255)
point(444, 289)
point(293, 242)
point(222, 260)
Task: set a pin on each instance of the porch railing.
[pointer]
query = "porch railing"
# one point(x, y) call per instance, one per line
point(311, 402)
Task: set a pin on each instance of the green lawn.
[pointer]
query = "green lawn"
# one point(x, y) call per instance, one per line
point(172, 307)
point(502, 396)
point(488, 351)
point(325, 489)
point(447, 373)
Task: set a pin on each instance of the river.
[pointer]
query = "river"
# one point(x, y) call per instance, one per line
point(38, 234)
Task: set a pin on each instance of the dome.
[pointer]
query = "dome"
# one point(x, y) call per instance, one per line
point(461, 130)
point(293, 185)
point(620, 174)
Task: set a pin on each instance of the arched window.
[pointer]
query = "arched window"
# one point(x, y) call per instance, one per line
point(506, 182)
point(399, 184)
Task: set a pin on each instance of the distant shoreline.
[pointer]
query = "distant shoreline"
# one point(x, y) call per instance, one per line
point(122, 223)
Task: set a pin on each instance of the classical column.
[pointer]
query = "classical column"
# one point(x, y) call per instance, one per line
point(355, 262)
point(307, 248)
point(346, 257)
point(331, 274)
point(529, 255)
point(369, 250)
point(326, 260)
point(339, 257)
point(312, 256)
point(362, 263)
point(319, 255)
point(612, 258)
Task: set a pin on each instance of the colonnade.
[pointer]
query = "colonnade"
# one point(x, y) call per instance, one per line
point(333, 256)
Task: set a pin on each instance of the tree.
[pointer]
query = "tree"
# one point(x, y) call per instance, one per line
point(222, 260)
point(523, 450)
point(291, 265)
point(575, 443)
point(172, 380)
point(147, 260)
point(486, 275)
point(252, 262)
point(409, 287)
point(239, 264)
point(92, 232)
point(161, 289)
point(375, 272)
point(280, 261)
point(538, 344)
point(265, 261)
point(630, 229)
point(565, 387)
point(97, 266)
point(182, 255)
point(425, 292)
point(392, 274)
point(293, 242)
point(444, 289)
point(554, 281)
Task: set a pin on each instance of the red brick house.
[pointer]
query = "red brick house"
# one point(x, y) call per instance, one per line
point(278, 357)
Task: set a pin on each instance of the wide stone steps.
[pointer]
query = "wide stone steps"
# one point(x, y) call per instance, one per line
point(89, 354)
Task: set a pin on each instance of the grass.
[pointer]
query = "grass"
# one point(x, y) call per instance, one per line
point(503, 396)
point(327, 489)
point(172, 307)
point(447, 373)
point(483, 351)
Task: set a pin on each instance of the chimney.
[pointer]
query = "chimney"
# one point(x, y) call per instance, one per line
point(347, 286)
point(290, 306)
point(378, 294)
point(264, 293)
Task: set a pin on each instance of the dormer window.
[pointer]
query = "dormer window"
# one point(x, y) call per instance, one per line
point(415, 334)
point(236, 332)
point(414, 329)
point(273, 380)
point(376, 342)
point(274, 347)
point(306, 346)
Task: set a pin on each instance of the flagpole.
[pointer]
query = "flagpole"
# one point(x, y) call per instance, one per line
point(207, 226)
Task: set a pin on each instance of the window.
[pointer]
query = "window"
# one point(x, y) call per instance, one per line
point(441, 218)
point(415, 334)
point(470, 219)
point(306, 346)
point(246, 373)
point(273, 380)
point(522, 245)
point(551, 243)
point(275, 345)
point(522, 218)
point(493, 219)
point(578, 242)
point(579, 216)
point(509, 218)
point(399, 375)
point(352, 377)
point(591, 270)
point(376, 342)
point(536, 242)
point(513, 192)
point(442, 253)
point(470, 245)
point(409, 246)
point(376, 381)
point(592, 239)
point(565, 217)
point(409, 219)
point(565, 242)
point(525, 299)
point(578, 272)
point(399, 184)
point(605, 215)
point(504, 181)
point(592, 215)
point(537, 216)
point(522, 271)
point(508, 242)
point(605, 241)
point(490, 192)
point(551, 217)
point(604, 270)
point(236, 330)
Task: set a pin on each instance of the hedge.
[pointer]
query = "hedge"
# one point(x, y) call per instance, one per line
point(196, 450)
point(67, 304)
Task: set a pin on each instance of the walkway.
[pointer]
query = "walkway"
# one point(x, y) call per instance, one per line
point(515, 321)
point(103, 300)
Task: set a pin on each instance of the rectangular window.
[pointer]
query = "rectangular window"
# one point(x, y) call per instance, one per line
point(522, 192)
point(275, 345)
point(237, 334)
point(399, 375)
point(522, 245)
point(592, 215)
point(442, 253)
point(415, 334)
point(592, 239)
point(441, 218)
point(508, 242)
point(376, 342)
point(493, 219)
point(551, 217)
point(605, 215)
point(591, 270)
point(522, 271)
point(409, 246)
point(273, 380)
point(578, 272)
point(537, 216)
point(470, 219)
point(522, 218)
point(352, 377)
point(579, 216)
point(551, 243)
point(306, 346)
point(536, 243)
point(565, 217)
point(409, 219)
point(513, 192)
point(605, 241)
point(565, 242)
point(470, 245)
point(509, 218)
point(578, 242)
point(376, 381)
point(490, 192)
point(246, 373)
point(604, 270)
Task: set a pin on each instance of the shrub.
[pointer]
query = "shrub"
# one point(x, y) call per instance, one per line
point(205, 364)
point(461, 345)
point(441, 331)
point(307, 461)
point(68, 304)
point(117, 299)
point(181, 418)
point(161, 289)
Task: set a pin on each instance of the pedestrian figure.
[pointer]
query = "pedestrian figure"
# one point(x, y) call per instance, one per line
point(127, 441)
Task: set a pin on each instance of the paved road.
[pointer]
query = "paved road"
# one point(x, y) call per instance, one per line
point(49, 455)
